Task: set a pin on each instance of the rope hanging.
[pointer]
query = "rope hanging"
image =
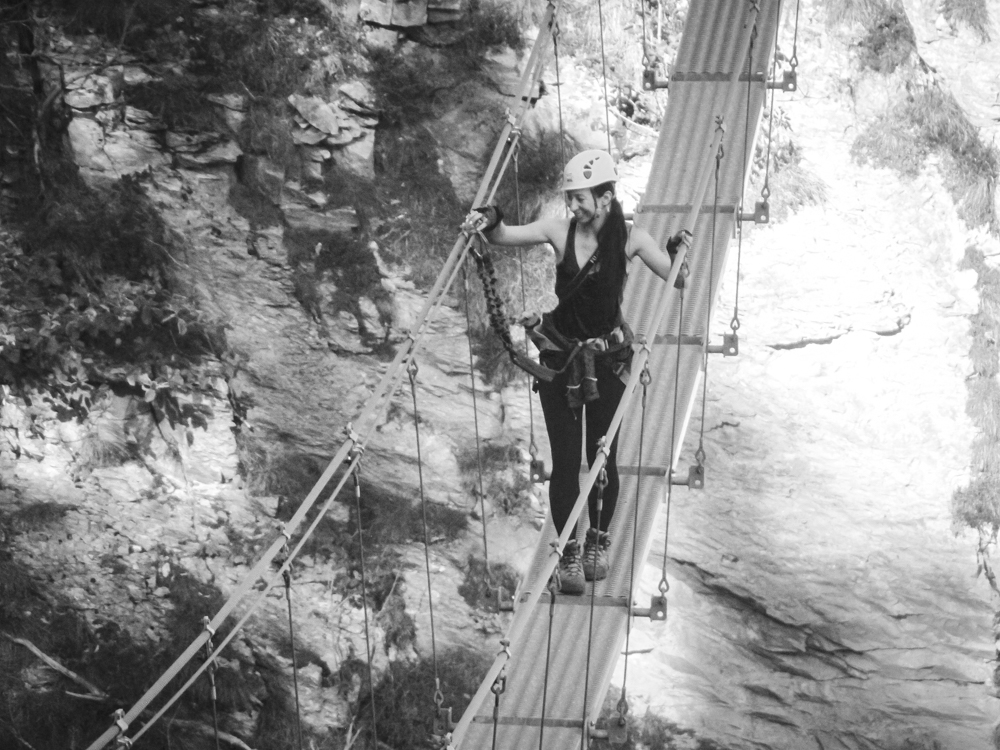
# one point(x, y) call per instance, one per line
point(364, 601)
point(602, 482)
point(212, 667)
point(663, 587)
point(286, 574)
point(644, 380)
point(604, 75)
point(475, 422)
point(412, 372)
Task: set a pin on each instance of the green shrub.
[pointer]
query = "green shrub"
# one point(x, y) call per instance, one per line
point(482, 583)
point(971, 13)
point(888, 42)
point(931, 120)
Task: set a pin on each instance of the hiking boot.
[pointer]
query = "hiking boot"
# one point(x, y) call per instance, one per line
point(570, 570)
point(595, 555)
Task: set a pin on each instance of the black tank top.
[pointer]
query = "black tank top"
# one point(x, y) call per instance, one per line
point(595, 309)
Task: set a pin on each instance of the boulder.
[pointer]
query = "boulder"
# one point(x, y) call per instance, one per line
point(318, 113)
point(337, 220)
point(358, 157)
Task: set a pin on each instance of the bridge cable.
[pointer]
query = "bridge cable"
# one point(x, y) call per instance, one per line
point(645, 379)
point(562, 132)
point(499, 686)
point(411, 370)
point(211, 679)
point(602, 482)
point(794, 60)
point(548, 656)
point(364, 601)
point(699, 454)
point(532, 445)
point(287, 575)
point(475, 422)
point(663, 587)
point(604, 74)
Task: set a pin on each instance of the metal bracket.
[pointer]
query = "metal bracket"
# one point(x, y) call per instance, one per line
point(695, 479)
point(538, 472)
point(442, 722)
point(729, 347)
point(618, 731)
point(761, 213)
point(504, 603)
point(789, 81)
point(650, 81)
point(657, 609)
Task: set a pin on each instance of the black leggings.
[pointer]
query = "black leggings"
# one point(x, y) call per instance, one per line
point(564, 427)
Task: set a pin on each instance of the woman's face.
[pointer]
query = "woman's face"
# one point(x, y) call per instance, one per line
point(582, 204)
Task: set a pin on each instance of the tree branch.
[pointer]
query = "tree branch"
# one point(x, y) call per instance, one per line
point(94, 691)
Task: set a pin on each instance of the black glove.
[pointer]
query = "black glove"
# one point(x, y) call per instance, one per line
point(493, 216)
point(675, 242)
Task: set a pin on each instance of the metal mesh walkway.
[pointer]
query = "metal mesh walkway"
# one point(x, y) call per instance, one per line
point(709, 81)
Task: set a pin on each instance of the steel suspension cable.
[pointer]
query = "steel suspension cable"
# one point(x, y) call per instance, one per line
point(532, 447)
point(211, 682)
point(644, 380)
point(287, 575)
point(664, 586)
point(604, 75)
point(562, 131)
point(794, 60)
point(602, 482)
point(364, 602)
point(475, 424)
point(548, 658)
point(412, 371)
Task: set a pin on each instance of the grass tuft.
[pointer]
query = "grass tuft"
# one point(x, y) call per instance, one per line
point(889, 41)
point(481, 584)
point(972, 14)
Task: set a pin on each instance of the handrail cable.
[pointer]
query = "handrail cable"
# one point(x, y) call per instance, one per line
point(520, 619)
point(664, 586)
point(287, 575)
point(644, 380)
point(475, 423)
point(548, 659)
point(562, 131)
point(374, 407)
point(412, 372)
point(604, 75)
point(211, 682)
point(269, 582)
point(794, 60)
point(364, 601)
point(602, 482)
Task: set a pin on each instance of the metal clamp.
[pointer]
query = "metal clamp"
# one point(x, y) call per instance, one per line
point(657, 609)
point(729, 347)
point(761, 213)
point(789, 81)
point(695, 479)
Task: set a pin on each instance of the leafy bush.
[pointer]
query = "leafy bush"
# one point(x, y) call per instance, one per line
point(86, 298)
point(889, 41)
point(931, 120)
point(971, 13)
point(483, 582)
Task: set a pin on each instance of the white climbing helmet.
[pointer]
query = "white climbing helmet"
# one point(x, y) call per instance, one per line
point(588, 169)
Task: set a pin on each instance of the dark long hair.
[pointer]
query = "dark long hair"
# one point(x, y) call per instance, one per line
point(614, 232)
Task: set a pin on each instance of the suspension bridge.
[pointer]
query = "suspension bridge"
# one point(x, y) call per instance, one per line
point(553, 669)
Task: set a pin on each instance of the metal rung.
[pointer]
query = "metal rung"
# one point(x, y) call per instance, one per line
point(647, 471)
point(706, 77)
point(584, 601)
point(684, 208)
point(529, 721)
point(671, 339)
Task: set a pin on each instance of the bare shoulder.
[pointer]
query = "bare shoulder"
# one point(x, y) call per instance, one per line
point(639, 241)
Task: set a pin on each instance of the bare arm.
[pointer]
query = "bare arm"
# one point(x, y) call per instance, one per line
point(656, 259)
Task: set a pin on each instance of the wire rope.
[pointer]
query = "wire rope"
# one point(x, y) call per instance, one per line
point(548, 657)
point(663, 585)
point(412, 372)
point(645, 379)
point(364, 602)
point(475, 422)
point(532, 446)
point(562, 130)
point(794, 60)
point(602, 482)
point(211, 681)
point(287, 575)
point(604, 75)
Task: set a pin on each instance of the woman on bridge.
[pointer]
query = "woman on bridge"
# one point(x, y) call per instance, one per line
point(585, 338)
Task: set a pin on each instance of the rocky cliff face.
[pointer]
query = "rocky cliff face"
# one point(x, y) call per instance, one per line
point(820, 595)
